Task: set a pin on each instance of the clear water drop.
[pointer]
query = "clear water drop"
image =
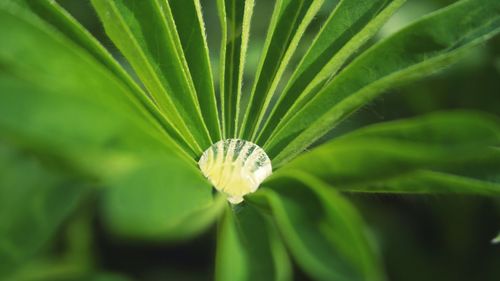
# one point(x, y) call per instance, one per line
point(235, 167)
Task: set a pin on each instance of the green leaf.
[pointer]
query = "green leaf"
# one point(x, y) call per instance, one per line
point(422, 48)
point(136, 178)
point(55, 15)
point(248, 252)
point(349, 26)
point(66, 76)
point(235, 17)
point(158, 203)
point(144, 32)
point(190, 27)
point(288, 24)
point(322, 230)
point(36, 196)
point(480, 175)
point(61, 20)
point(379, 152)
point(428, 181)
point(60, 101)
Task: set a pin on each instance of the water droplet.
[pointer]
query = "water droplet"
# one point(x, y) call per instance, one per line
point(235, 167)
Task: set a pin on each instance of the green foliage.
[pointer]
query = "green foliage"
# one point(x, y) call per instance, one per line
point(145, 34)
point(288, 24)
point(322, 230)
point(349, 26)
point(420, 49)
point(422, 146)
point(235, 17)
point(73, 122)
point(32, 207)
point(247, 252)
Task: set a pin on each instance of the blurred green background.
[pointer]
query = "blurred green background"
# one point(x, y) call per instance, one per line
point(421, 237)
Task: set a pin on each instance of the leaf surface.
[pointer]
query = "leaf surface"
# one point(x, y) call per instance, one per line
point(63, 22)
point(235, 18)
point(59, 101)
point(420, 49)
point(249, 248)
point(144, 32)
point(478, 176)
point(322, 230)
point(191, 29)
point(441, 152)
point(288, 24)
point(348, 27)
point(162, 199)
point(60, 19)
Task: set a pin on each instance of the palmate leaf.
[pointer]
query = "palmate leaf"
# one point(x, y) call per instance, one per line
point(190, 27)
point(145, 33)
point(348, 27)
point(235, 17)
point(249, 248)
point(420, 49)
point(322, 230)
point(70, 103)
point(55, 15)
point(63, 22)
point(83, 117)
point(440, 153)
point(288, 24)
point(30, 70)
point(58, 18)
point(421, 155)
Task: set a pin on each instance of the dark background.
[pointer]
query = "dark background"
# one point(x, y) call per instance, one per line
point(421, 237)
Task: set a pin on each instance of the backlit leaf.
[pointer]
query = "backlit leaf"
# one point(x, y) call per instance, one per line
point(348, 27)
point(420, 49)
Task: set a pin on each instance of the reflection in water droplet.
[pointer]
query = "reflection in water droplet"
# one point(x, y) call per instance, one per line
point(235, 167)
